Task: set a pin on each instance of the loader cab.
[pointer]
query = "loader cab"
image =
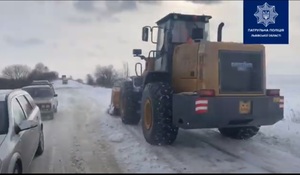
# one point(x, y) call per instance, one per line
point(173, 30)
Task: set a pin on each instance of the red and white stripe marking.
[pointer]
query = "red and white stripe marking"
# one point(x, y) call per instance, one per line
point(281, 103)
point(201, 106)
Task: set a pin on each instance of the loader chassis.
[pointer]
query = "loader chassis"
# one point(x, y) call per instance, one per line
point(202, 84)
point(222, 112)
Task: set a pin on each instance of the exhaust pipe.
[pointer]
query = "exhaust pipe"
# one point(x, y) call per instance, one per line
point(221, 25)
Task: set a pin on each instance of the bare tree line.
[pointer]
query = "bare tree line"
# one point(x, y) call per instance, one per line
point(18, 75)
point(105, 76)
point(16, 72)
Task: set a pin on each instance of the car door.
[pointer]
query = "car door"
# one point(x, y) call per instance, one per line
point(30, 115)
point(23, 138)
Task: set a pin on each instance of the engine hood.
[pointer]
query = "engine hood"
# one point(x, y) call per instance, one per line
point(43, 100)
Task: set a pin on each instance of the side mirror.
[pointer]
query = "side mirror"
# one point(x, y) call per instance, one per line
point(55, 95)
point(25, 125)
point(197, 34)
point(137, 52)
point(145, 35)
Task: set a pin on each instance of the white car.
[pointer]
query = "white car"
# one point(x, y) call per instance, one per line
point(21, 132)
point(44, 97)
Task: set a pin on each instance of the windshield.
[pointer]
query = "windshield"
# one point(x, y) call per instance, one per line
point(182, 30)
point(40, 82)
point(39, 92)
point(3, 118)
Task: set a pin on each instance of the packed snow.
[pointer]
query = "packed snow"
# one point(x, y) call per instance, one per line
point(274, 149)
point(117, 137)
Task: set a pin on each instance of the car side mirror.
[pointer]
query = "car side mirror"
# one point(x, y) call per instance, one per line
point(145, 35)
point(137, 52)
point(55, 95)
point(25, 125)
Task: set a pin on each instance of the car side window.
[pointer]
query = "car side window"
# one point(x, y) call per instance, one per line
point(30, 100)
point(25, 105)
point(17, 112)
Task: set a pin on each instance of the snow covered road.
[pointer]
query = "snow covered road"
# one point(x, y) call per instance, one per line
point(71, 142)
point(83, 138)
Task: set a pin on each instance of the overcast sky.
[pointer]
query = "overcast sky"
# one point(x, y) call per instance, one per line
point(73, 37)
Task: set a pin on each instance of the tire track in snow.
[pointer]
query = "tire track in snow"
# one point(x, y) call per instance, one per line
point(128, 151)
point(196, 155)
point(253, 152)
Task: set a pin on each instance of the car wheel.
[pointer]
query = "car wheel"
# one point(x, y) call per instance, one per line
point(17, 169)
point(40, 148)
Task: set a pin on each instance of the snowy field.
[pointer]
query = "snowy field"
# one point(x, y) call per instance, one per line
point(99, 139)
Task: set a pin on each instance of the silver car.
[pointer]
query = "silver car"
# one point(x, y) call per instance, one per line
point(44, 97)
point(21, 131)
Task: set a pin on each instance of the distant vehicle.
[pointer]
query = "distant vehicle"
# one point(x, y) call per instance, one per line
point(64, 79)
point(44, 98)
point(21, 131)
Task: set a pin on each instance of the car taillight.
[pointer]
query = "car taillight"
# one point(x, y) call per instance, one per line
point(206, 93)
point(273, 92)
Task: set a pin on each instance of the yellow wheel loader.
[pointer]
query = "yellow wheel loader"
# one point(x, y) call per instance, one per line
point(194, 83)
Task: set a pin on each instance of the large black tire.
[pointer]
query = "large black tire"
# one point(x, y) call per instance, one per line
point(160, 129)
point(129, 105)
point(40, 148)
point(239, 133)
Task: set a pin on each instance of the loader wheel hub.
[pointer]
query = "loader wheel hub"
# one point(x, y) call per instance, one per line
point(148, 114)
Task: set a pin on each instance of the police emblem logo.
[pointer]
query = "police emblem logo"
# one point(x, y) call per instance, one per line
point(266, 14)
